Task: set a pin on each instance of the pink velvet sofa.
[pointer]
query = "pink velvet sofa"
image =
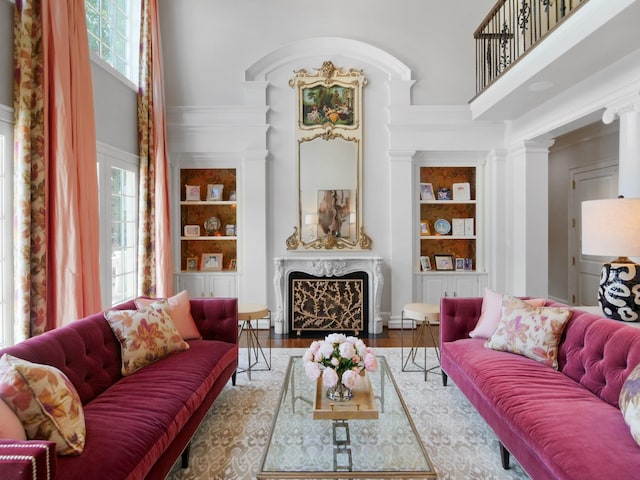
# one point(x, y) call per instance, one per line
point(139, 425)
point(559, 424)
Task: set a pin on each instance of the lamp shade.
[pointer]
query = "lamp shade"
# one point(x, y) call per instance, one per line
point(611, 227)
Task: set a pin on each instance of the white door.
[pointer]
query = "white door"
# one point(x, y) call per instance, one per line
point(589, 183)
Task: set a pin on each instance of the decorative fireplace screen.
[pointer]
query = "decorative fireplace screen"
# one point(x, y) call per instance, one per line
point(328, 303)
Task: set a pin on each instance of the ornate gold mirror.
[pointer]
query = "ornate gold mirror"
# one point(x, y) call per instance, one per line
point(329, 160)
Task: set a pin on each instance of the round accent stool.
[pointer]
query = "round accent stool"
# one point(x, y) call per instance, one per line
point(247, 313)
point(423, 318)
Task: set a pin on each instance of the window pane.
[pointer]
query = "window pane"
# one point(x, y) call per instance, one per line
point(113, 26)
point(129, 210)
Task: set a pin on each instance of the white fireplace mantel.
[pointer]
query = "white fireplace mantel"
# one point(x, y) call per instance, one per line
point(328, 267)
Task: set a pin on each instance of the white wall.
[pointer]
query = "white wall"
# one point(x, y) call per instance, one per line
point(209, 43)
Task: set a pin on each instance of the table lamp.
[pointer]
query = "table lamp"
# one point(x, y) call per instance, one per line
point(612, 227)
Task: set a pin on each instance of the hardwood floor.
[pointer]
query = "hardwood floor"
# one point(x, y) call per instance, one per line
point(388, 338)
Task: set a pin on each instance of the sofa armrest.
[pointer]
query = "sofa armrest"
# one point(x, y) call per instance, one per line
point(216, 318)
point(28, 460)
point(458, 316)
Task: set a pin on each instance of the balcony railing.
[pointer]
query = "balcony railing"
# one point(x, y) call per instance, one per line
point(511, 29)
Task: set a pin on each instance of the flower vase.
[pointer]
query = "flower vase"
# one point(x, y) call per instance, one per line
point(339, 393)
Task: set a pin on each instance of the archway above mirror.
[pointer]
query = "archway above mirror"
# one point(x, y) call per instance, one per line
point(329, 159)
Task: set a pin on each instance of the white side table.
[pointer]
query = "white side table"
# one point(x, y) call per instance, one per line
point(423, 318)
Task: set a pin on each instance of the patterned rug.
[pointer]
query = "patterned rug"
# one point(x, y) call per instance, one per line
point(231, 440)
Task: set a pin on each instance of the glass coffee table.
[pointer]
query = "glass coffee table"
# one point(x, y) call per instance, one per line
point(301, 447)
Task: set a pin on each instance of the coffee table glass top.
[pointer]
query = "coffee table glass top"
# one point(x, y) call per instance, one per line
point(301, 447)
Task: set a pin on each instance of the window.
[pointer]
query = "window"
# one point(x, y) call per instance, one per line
point(114, 34)
point(119, 245)
point(6, 240)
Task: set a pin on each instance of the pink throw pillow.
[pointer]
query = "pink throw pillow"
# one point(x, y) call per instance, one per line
point(10, 426)
point(180, 312)
point(492, 311)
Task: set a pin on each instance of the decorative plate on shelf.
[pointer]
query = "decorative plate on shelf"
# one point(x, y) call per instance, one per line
point(441, 226)
point(212, 225)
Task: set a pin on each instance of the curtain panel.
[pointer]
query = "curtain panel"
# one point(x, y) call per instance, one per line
point(154, 256)
point(56, 191)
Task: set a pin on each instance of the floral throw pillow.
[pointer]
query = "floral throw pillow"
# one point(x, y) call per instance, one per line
point(45, 401)
point(629, 402)
point(146, 335)
point(180, 311)
point(530, 331)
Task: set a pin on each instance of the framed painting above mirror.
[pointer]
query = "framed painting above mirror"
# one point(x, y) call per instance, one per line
point(329, 159)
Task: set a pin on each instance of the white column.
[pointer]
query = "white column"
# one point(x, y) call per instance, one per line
point(530, 199)
point(253, 229)
point(497, 241)
point(628, 111)
point(402, 222)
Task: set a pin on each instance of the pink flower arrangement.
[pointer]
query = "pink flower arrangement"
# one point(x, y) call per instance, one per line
point(338, 357)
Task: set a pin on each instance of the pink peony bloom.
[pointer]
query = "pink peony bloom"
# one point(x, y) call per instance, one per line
point(326, 349)
point(312, 370)
point(307, 356)
point(335, 361)
point(371, 362)
point(349, 379)
point(329, 377)
point(346, 350)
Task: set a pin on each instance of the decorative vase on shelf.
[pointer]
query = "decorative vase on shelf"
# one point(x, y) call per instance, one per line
point(339, 393)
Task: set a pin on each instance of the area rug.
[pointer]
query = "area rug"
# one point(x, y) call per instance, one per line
point(231, 440)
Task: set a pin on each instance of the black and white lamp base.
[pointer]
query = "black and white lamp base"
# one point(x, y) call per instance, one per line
point(619, 292)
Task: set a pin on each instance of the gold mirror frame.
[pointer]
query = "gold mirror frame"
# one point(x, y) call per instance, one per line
point(329, 109)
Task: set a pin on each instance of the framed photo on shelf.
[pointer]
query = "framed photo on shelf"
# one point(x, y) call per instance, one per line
point(233, 265)
point(468, 264)
point(460, 263)
point(211, 261)
point(425, 263)
point(192, 230)
point(192, 193)
point(426, 191)
point(424, 228)
point(444, 262)
point(461, 191)
point(192, 264)
point(214, 192)
point(230, 230)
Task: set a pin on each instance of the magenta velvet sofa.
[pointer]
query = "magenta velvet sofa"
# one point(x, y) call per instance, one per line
point(139, 425)
point(559, 424)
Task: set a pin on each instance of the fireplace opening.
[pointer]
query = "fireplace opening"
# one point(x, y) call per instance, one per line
point(331, 304)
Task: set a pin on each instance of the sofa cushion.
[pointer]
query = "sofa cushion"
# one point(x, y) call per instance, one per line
point(45, 401)
point(534, 332)
point(630, 402)
point(10, 426)
point(180, 311)
point(492, 311)
point(146, 335)
point(140, 415)
point(547, 419)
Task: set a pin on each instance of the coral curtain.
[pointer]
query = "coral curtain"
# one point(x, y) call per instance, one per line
point(154, 256)
point(56, 192)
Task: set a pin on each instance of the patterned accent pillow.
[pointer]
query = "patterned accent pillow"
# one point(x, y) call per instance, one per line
point(146, 335)
point(45, 401)
point(492, 311)
point(180, 311)
point(629, 402)
point(530, 331)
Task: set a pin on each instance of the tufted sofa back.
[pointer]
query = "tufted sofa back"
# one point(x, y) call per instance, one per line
point(596, 352)
point(86, 351)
